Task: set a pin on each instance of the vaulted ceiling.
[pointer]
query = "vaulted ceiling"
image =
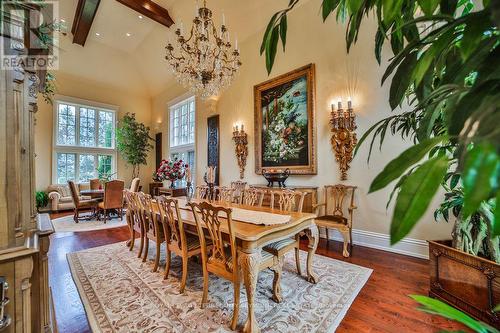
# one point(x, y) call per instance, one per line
point(127, 51)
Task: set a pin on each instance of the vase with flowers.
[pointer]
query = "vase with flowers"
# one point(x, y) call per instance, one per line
point(171, 170)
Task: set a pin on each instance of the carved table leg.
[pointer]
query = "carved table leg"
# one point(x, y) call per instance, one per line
point(278, 271)
point(249, 263)
point(313, 236)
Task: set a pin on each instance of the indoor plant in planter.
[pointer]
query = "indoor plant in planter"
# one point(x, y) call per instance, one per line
point(171, 170)
point(446, 66)
point(133, 142)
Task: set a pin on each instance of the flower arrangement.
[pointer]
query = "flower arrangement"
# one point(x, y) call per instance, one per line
point(171, 170)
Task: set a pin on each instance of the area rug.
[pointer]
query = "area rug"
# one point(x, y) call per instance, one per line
point(120, 293)
point(66, 224)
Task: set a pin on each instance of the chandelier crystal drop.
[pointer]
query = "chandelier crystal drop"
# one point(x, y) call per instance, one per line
point(204, 61)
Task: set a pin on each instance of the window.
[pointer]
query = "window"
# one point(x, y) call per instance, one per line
point(84, 142)
point(182, 132)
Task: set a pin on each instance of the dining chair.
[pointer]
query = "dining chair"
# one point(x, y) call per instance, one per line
point(223, 194)
point(337, 214)
point(134, 185)
point(177, 240)
point(152, 228)
point(239, 188)
point(288, 201)
point(253, 197)
point(113, 198)
point(133, 218)
point(201, 192)
point(79, 203)
point(95, 184)
point(221, 258)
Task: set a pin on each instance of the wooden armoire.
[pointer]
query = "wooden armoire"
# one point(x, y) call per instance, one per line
point(24, 235)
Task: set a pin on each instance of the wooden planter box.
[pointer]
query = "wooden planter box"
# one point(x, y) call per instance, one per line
point(467, 282)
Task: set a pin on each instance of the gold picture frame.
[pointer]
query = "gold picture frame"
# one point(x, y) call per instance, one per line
point(285, 127)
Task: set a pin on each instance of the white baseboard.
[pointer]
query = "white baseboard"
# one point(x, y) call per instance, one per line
point(407, 246)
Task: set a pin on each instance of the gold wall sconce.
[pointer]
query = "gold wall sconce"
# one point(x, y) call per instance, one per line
point(241, 148)
point(343, 127)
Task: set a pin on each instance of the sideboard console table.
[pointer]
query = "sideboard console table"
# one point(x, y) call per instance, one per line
point(310, 199)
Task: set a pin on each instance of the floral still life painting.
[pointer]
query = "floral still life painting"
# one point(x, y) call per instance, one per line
point(284, 116)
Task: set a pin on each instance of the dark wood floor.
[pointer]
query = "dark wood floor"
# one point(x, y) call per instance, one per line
point(381, 306)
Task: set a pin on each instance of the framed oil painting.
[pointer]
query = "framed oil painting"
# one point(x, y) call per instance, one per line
point(285, 131)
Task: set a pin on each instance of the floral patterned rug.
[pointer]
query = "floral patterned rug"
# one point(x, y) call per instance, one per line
point(121, 294)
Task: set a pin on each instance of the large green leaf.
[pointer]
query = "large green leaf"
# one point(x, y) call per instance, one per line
point(391, 9)
point(428, 6)
point(478, 176)
point(271, 48)
point(402, 80)
point(400, 164)
point(327, 7)
point(267, 34)
point(415, 196)
point(496, 221)
point(434, 306)
point(474, 31)
point(283, 29)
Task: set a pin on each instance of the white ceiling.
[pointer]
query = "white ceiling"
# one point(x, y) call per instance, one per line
point(145, 47)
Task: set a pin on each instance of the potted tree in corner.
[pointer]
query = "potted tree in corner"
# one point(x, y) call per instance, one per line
point(133, 142)
point(446, 64)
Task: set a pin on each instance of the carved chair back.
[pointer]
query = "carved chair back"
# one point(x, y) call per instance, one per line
point(201, 192)
point(146, 212)
point(75, 194)
point(113, 194)
point(94, 184)
point(224, 194)
point(171, 220)
point(337, 198)
point(287, 200)
point(253, 197)
point(209, 221)
point(239, 190)
point(133, 210)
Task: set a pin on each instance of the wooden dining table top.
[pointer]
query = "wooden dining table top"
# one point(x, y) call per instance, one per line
point(246, 231)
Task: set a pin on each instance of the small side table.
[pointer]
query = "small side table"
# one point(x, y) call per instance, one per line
point(173, 192)
point(153, 188)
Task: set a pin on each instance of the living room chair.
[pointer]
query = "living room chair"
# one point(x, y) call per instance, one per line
point(177, 240)
point(113, 198)
point(95, 184)
point(221, 258)
point(79, 203)
point(288, 201)
point(337, 214)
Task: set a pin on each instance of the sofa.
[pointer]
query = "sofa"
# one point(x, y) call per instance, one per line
point(60, 197)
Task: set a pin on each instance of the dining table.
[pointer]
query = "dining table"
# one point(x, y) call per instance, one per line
point(253, 234)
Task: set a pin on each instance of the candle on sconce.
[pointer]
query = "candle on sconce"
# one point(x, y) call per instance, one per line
point(339, 104)
point(223, 19)
point(242, 127)
point(349, 103)
point(333, 107)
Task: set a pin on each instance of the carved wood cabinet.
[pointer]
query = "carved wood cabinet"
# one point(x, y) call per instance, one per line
point(24, 235)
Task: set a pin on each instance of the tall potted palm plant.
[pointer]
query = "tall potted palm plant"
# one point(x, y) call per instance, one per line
point(447, 65)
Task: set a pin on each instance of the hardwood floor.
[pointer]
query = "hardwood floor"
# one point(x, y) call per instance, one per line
point(381, 306)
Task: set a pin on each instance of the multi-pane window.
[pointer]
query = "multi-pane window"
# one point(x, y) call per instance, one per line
point(84, 142)
point(182, 132)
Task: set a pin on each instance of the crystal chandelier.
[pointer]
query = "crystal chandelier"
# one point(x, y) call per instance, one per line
point(204, 61)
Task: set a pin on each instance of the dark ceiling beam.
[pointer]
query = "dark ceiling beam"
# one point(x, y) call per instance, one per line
point(84, 16)
point(149, 9)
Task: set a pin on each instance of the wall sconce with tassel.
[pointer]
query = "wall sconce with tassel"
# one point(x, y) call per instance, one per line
point(241, 148)
point(343, 127)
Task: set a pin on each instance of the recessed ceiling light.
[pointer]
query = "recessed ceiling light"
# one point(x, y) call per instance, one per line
point(140, 16)
point(128, 34)
point(97, 34)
